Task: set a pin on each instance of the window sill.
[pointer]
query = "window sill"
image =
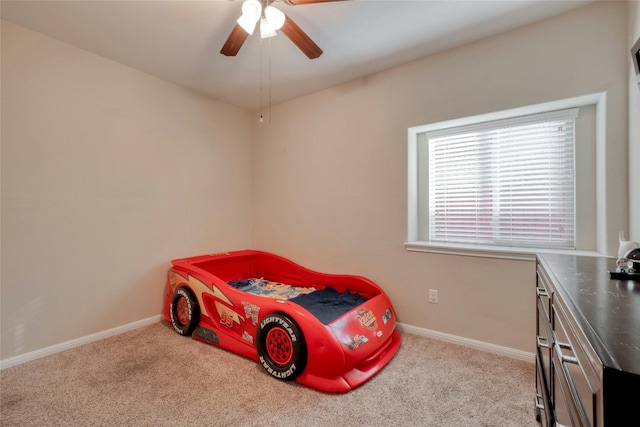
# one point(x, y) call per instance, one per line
point(487, 251)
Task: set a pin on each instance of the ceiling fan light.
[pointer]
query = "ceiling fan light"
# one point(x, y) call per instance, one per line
point(266, 30)
point(275, 17)
point(252, 9)
point(247, 23)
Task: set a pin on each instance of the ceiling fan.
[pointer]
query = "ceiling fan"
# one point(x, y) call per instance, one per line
point(271, 20)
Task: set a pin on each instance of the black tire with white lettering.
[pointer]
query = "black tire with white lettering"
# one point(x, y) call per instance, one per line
point(185, 311)
point(281, 347)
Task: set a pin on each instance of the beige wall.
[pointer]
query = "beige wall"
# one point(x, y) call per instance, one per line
point(330, 176)
point(107, 174)
point(634, 128)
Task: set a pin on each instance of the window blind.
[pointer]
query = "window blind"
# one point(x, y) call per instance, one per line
point(507, 182)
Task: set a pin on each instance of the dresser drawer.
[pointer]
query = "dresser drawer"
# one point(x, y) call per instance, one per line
point(544, 290)
point(568, 410)
point(576, 366)
point(543, 402)
point(544, 342)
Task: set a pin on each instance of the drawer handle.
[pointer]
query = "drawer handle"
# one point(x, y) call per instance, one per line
point(541, 292)
point(565, 358)
point(543, 342)
point(538, 399)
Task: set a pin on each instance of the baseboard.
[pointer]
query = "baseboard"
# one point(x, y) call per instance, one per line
point(454, 339)
point(57, 348)
point(467, 342)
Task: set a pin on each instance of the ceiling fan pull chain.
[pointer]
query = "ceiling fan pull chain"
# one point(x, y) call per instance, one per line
point(261, 82)
point(269, 65)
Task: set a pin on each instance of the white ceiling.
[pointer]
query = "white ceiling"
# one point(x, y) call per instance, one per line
point(180, 40)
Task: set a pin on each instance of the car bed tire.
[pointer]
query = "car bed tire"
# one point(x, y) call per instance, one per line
point(281, 347)
point(185, 311)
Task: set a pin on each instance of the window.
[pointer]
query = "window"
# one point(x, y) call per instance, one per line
point(508, 182)
point(511, 183)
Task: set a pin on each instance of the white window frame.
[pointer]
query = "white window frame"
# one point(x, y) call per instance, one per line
point(413, 242)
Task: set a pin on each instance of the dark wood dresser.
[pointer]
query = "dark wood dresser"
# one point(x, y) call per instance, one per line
point(588, 343)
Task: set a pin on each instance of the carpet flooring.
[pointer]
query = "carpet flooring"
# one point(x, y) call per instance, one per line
point(154, 377)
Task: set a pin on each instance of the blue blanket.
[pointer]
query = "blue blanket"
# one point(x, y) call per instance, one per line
point(327, 304)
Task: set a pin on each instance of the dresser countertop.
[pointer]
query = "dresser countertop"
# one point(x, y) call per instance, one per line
point(607, 311)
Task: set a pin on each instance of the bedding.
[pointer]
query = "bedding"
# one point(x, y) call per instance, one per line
point(326, 304)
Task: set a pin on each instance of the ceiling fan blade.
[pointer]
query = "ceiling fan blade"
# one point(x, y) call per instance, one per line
point(300, 38)
point(297, 2)
point(234, 41)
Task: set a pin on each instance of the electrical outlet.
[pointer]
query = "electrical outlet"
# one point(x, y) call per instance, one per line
point(433, 296)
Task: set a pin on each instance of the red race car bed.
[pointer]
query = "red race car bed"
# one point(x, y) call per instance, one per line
point(327, 331)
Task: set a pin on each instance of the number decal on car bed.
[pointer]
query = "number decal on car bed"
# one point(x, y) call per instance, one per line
point(227, 316)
